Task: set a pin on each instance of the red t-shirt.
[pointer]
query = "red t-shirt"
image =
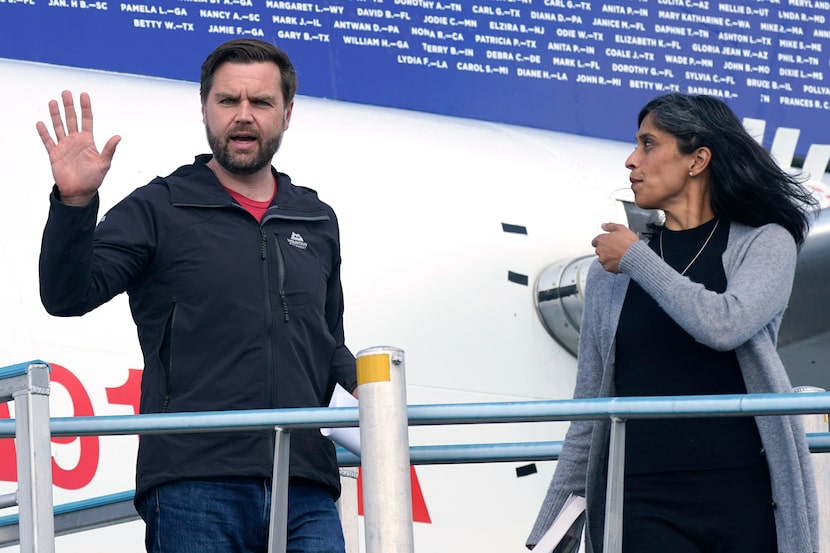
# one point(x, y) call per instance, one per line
point(255, 208)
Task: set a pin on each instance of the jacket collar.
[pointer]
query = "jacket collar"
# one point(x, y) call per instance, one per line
point(196, 184)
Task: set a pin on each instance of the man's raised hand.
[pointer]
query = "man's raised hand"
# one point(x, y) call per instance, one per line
point(77, 166)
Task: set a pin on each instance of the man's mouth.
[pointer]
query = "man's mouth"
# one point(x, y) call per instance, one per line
point(243, 140)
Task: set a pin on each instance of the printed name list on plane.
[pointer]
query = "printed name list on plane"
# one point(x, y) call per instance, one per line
point(733, 49)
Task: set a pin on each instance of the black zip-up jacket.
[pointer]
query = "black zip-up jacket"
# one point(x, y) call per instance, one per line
point(231, 313)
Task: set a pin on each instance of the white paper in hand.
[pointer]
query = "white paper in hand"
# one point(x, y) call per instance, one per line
point(347, 437)
point(562, 536)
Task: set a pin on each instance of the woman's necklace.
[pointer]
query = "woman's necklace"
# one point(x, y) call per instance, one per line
point(700, 251)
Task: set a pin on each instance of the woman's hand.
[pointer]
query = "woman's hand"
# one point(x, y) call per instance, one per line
point(612, 245)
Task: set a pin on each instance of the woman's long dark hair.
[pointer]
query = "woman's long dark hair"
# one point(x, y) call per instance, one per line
point(747, 185)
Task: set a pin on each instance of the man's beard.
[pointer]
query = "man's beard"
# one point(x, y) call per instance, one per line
point(233, 164)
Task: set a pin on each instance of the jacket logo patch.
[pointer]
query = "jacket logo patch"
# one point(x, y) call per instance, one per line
point(297, 241)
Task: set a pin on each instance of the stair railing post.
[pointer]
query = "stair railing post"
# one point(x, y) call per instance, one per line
point(278, 532)
point(821, 469)
point(615, 486)
point(34, 462)
point(384, 446)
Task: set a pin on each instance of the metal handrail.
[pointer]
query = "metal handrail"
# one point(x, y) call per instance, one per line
point(617, 409)
point(445, 414)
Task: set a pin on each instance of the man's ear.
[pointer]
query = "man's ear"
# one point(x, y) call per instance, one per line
point(287, 115)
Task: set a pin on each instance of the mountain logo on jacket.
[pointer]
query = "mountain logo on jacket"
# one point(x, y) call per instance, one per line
point(297, 241)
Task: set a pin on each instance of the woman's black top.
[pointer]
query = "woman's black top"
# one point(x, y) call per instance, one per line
point(655, 356)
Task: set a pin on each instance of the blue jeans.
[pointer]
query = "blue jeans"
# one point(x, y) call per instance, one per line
point(231, 515)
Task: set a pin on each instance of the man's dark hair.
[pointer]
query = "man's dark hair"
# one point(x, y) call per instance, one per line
point(248, 50)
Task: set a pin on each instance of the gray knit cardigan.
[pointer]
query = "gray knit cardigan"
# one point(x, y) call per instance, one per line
point(759, 265)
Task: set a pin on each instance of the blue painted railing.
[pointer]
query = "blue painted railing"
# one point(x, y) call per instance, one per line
point(445, 414)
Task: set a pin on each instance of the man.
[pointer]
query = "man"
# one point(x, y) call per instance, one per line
point(233, 275)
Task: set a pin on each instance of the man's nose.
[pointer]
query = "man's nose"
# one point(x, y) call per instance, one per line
point(244, 113)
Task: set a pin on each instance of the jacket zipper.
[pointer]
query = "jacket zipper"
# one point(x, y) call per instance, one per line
point(281, 277)
point(281, 258)
point(270, 364)
point(169, 372)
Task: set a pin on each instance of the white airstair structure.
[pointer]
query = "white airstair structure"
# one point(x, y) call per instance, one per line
point(385, 454)
point(27, 384)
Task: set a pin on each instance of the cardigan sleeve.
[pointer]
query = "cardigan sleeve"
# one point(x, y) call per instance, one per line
point(571, 467)
point(759, 271)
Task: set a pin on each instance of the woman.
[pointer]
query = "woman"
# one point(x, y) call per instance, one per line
point(695, 309)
